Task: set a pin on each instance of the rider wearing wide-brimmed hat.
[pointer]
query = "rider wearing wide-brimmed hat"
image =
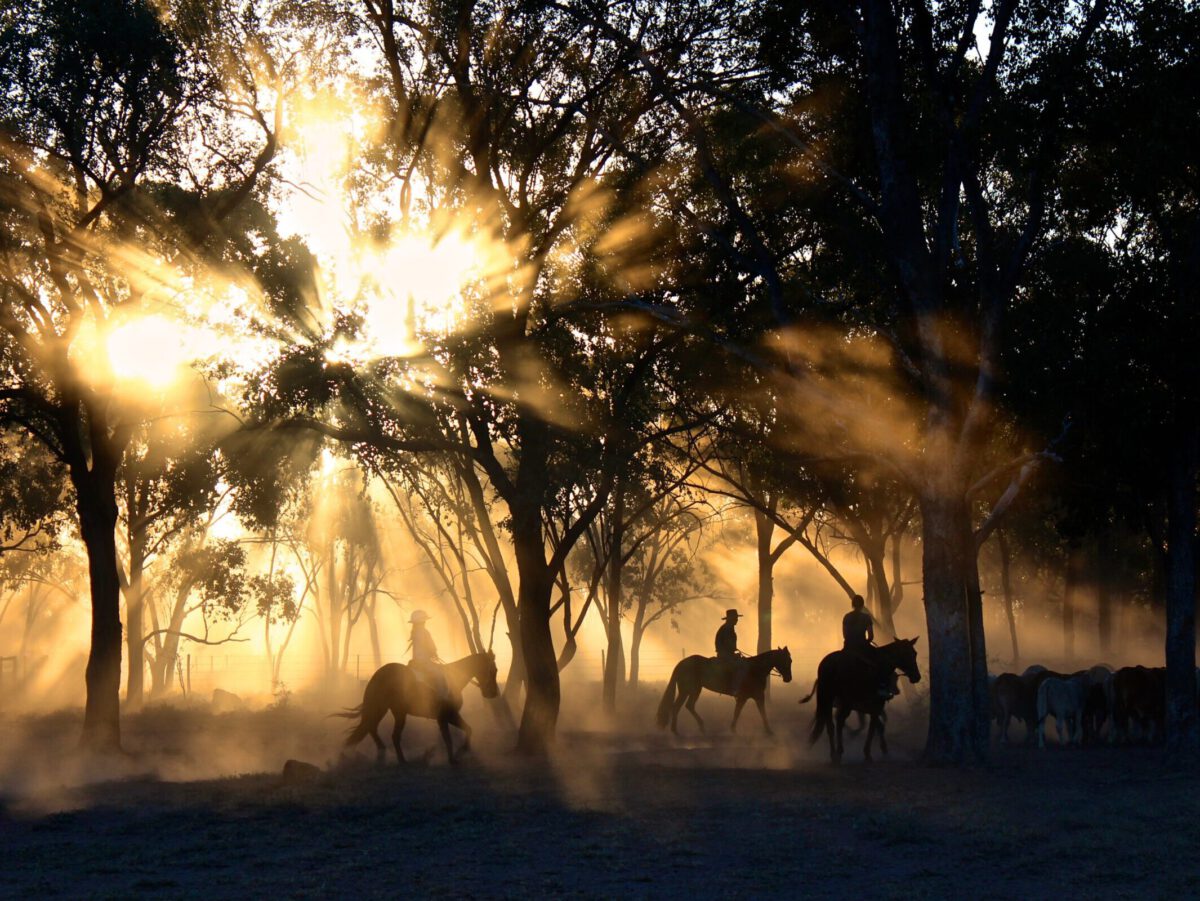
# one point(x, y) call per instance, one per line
point(727, 650)
point(425, 661)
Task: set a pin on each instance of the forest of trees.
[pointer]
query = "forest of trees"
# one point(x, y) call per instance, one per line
point(552, 289)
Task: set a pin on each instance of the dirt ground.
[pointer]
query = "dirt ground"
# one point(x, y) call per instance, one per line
point(202, 810)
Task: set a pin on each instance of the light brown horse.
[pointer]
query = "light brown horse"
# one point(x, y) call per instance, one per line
point(397, 688)
point(696, 673)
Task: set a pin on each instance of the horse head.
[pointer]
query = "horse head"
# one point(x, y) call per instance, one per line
point(485, 675)
point(782, 663)
point(906, 658)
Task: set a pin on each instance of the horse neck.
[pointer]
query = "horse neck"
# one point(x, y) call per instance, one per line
point(460, 672)
point(765, 660)
point(890, 653)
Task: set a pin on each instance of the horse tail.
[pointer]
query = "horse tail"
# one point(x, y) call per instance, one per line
point(357, 732)
point(668, 699)
point(808, 697)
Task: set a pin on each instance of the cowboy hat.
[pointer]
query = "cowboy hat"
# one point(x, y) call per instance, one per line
point(732, 614)
point(419, 616)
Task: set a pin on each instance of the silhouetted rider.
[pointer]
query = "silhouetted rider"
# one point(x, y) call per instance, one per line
point(858, 628)
point(858, 635)
point(425, 661)
point(727, 651)
point(727, 636)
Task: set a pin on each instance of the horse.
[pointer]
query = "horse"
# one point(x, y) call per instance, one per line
point(849, 682)
point(695, 673)
point(397, 688)
point(1010, 699)
point(1139, 698)
point(1098, 708)
point(1065, 699)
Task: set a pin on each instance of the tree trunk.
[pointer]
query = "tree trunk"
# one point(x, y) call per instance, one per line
point(135, 629)
point(1070, 588)
point(1104, 607)
point(764, 528)
point(1183, 731)
point(96, 504)
point(1006, 587)
point(614, 661)
point(877, 570)
point(498, 571)
point(635, 644)
point(542, 689)
point(947, 544)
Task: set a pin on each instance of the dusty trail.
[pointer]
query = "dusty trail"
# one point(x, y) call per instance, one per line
point(617, 816)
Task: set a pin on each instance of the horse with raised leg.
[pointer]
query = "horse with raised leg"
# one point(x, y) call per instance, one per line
point(397, 688)
point(695, 673)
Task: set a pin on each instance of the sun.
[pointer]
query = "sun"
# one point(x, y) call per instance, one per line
point(149, 351)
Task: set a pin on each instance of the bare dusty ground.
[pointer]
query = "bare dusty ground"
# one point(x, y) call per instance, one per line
point(634, 813)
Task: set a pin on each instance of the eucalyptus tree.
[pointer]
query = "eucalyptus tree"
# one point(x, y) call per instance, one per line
point(923, 150)
point(503, 123)
point(1139, 203)
point(103, 100)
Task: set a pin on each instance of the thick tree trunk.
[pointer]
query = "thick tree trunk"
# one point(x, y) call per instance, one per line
point(1006, 587)
point(947, 545)
point(764, 528)
point(1183, 731)
point(542, 689)
point(97, 507)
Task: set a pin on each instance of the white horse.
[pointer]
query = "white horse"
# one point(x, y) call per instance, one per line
point(1063, 699)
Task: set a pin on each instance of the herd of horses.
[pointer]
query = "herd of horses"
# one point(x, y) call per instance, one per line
point(1095, 705)
point(1091, 706)
point(847, 682)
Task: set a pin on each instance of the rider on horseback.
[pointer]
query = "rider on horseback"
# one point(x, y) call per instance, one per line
point(858, 636)
point(727, 651)
point(425, 661)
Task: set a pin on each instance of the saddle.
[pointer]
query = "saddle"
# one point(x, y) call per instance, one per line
point(732, 670)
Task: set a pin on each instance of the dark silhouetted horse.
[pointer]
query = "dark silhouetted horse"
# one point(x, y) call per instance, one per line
point(848, 682)
point(397, 688)
point(694, 674)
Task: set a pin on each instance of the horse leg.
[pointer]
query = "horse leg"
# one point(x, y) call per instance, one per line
point(691, 708)
point(842, 716)
point(883, 734)
point(737, 711)
point(762, 711)
point(677, 705)
point(455, 719)
point(870, 738)
point(396, 732)
point(444, 728)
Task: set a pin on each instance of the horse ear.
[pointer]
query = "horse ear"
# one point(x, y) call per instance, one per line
point(913, 641)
